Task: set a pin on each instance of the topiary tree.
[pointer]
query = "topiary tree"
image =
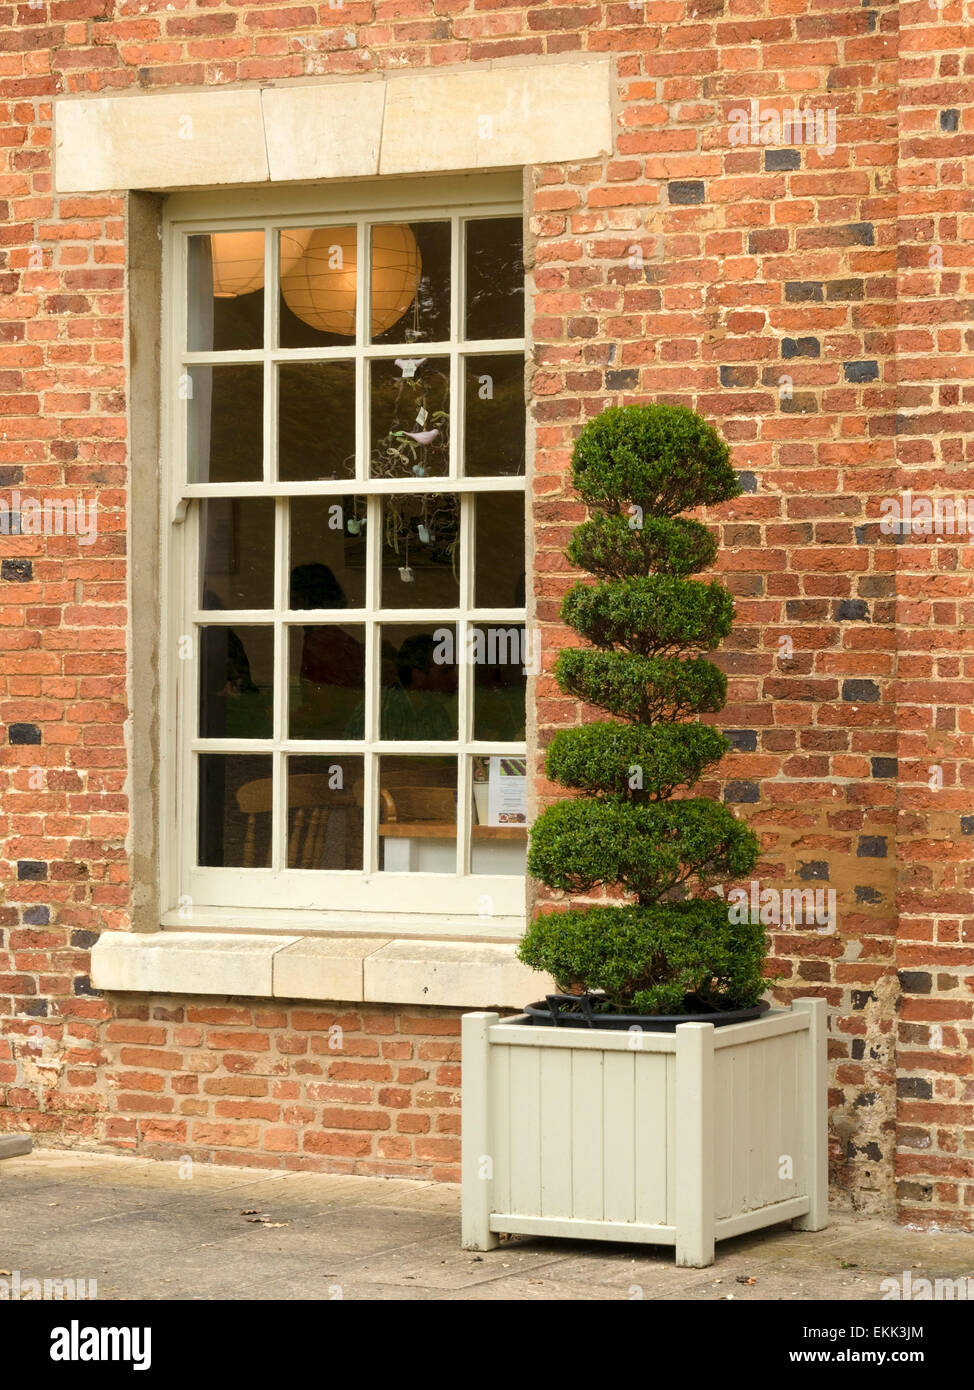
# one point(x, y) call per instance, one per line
point(637, 468)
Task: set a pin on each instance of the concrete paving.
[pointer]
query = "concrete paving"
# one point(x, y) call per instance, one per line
point(151, 1230)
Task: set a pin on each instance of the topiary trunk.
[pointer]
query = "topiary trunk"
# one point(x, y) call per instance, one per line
point(637, 468)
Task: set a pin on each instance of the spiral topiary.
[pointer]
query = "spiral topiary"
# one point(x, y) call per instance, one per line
point(637, 467)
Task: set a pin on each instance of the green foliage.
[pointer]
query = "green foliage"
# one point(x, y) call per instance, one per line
point(647, 959)
point(651, 848)
point(649, 763)
point(643, 688)
point(650, 614)
point(648, 621)
point(662, 458)
point(615, 547)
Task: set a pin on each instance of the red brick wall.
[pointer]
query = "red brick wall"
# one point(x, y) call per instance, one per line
point(753, 270)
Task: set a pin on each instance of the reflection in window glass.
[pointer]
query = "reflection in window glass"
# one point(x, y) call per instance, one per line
point(495, 278)
point(494, 425)
point(418, 815)
point(328, 552)
point(410, 422)
point(421, 550)
point(324, 812)
point(326, 681)
point(225, 307)
point(316, 421)
point(410, 282)
point(236, 682)
point(225, 442)
point(499, 555)
point(235, 810)
point(418, 695)
point(237, 552)
point(499, 657)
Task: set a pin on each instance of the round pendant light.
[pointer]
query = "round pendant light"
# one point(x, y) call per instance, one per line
point(319, 286)
point(238, 260)
point(238, 263)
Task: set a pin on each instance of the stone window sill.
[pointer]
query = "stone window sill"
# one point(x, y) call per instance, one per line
point(352, 969)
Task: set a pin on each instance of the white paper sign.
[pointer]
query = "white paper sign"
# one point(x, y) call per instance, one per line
point(507, 791)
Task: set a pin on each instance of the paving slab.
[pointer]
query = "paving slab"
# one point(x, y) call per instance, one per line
point(148, 1229)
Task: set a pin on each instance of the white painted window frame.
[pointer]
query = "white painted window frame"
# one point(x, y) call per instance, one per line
point(409, 904)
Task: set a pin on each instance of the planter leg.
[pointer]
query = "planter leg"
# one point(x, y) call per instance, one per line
point(695, 1145)
point(477, 1157)
point(815, 1103)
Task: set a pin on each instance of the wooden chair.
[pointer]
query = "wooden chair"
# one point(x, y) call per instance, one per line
point(310, 804)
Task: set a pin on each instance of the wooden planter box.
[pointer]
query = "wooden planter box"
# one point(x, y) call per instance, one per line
point(680, 1138)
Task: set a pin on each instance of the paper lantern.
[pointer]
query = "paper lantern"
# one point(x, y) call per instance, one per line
point(238, 260)
point(238, 263)
point(320, 286)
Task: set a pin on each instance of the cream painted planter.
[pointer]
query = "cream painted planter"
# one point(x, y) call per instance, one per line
point(679, 1139)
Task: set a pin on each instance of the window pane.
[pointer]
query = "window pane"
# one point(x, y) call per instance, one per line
point(225, 308)
point(237, 552)
point(410, 282)
point(421, 551)
point(328, 552)
point(418, 698)
point(409, 405)
point(499, 576)
point(318, 286)
point(326, 681)
point(236, 682)
point(226, 424)
point(316, 421)
point(418, 815)
point(499, 656)
point(324, 812)
point(494, 428)
point(499, 822)
point(495, 278)
point(235, 801)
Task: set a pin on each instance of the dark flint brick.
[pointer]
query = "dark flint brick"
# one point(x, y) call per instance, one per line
point(626, 379)
point(860, 692)
point(738, 376)
point(800, 347)
point(782, 161)
point(82, 985)
point(814, 869)
point(884, 767)
point(967, 825)
point(915, 981)
point(33, 1008)
point(871, 847)
point(17, 571)
point(914, 1088)
point(685, 191)
point(865, 894)
point(804, 292)
point(744, 740)
point(860, 371)
point(84, 940)
point(860, 998)
point(23, 733)
point(949, 119)
point(742, 792)
point(748, 481)
point(31, 870)
point(37, 916)
point(852, 610)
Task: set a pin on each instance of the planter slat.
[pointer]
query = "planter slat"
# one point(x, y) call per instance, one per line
point(556, 1128)
point(679, 1138)
point(619, 1136)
